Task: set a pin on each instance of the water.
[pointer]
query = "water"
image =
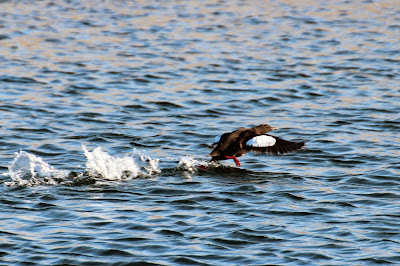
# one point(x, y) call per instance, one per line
point(108, 108)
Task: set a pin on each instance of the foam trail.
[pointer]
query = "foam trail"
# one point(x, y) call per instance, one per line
point(28, 170)
point(101, 164)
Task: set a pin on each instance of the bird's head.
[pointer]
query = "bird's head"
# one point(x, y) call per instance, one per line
point(264, 128)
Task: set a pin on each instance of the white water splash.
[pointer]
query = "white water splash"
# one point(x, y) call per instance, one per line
point(29, 170)
point(191, 164)
point(101, 164)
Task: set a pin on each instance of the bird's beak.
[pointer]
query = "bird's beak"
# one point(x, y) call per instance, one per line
point(274, 128)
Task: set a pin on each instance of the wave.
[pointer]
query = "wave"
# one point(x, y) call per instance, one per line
point(28, 169)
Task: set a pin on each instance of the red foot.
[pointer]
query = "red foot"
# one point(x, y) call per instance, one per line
point(235, 159)
point(202, 167)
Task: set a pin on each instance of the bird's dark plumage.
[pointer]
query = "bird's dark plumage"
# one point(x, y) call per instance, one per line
point(236, 143)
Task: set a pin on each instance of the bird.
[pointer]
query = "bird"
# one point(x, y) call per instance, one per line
point(234, 144)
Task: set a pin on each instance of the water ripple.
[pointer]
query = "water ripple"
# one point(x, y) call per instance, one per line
point(145, 88)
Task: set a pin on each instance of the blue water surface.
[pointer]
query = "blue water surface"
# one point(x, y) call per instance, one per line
point(108, 108)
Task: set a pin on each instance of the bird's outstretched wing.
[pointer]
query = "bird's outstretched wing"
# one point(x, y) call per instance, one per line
point(270, 144)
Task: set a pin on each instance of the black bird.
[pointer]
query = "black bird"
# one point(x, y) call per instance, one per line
point(236, 143)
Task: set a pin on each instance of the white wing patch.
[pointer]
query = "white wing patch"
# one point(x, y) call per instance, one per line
point(261, 141)
point(217, 139)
